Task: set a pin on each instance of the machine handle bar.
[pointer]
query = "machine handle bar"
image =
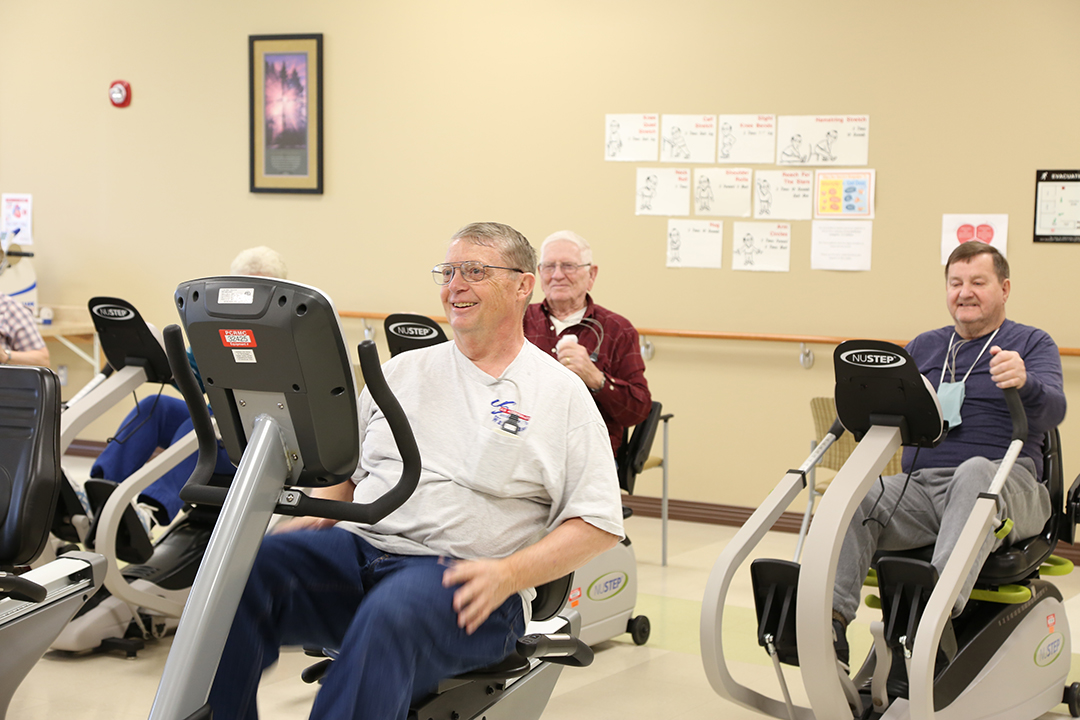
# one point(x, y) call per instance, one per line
point(374, 511)
point(198, 490)
point(1017, 414)
point(837, 429)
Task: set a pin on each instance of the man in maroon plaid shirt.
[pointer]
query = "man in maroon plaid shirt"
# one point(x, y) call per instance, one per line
point(20, 341)
point(600, 346)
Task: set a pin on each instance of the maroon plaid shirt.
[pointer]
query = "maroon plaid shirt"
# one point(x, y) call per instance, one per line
point(624, 400)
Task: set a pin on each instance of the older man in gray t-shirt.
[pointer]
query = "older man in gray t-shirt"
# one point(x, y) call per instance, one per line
point(517, 488)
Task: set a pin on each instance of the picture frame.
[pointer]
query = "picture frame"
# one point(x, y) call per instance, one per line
point(286, 113)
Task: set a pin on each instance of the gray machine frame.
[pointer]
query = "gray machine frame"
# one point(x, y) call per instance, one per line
point(35, 605)
point(993, 694)
point(273, 358)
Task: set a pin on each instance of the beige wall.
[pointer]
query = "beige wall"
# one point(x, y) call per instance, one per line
point(440, 113)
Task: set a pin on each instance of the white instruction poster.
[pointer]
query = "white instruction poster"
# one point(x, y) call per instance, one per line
point(695, 243)
point(761, 246)
point(844, 194)
point(784, 194)
point(746, 139)
point(823, 140)
point(723, 191)
point(958, 229)
point(688, 138)
point(841, 244)
point(663, 191)
point(632, 138)
point(16, 216)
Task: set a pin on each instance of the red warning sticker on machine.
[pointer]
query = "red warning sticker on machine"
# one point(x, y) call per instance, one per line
point(237, 338)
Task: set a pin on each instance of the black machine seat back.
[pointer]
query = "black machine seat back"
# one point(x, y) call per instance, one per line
point(878, 383)
point(634, 452)
point(30, 476)
point(126, 339)
point(407, 331)
point(273, 347)
point(551, 598)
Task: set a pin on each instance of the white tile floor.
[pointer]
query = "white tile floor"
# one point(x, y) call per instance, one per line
point(661, 680)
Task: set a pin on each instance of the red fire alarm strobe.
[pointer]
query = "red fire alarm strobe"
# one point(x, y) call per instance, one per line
point(120, 93)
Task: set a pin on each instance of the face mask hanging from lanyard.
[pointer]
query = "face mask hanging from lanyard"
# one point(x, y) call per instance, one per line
point(951, 394)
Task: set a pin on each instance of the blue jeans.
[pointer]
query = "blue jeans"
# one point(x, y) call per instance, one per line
point(156, 422)
point(389, 614)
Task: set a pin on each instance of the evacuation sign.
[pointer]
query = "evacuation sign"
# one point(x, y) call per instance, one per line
point(237, 338)
point(1057, 206)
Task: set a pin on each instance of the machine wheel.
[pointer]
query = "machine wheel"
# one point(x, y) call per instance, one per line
point(1072, 699)
point(639, 630)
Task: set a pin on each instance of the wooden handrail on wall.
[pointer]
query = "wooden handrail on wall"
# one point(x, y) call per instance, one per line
point(761, 337)
point(707, 334)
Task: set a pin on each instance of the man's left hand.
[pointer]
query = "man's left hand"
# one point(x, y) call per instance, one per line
point(484, 586)
point(574, 356)
point(1007, 368)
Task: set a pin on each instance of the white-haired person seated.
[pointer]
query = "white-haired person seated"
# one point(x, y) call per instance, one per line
point(598, 345)
point(160, 420)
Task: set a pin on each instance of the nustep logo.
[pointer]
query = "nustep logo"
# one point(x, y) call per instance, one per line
point(1049, 649)
point(607, 586)
point(872, 358)
point(413, 331)
point(112, 312)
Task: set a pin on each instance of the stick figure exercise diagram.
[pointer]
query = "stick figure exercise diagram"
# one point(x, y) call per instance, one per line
point(824, 139)
point(631, 137)
point(727, 140)
point(695, 243)
point(663, 191)
point(647, 192)
point(823, 151)
point(744, 253)
point(688, 138)
point(614, 142)
point(704, 194)
point(675, 144)
point(674, 242)
point(724, 191)
point(748, 139)
point(794, 154)
point(764, 198)
point(761, 246)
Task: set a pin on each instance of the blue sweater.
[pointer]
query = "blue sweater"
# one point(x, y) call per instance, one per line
point(986, 428)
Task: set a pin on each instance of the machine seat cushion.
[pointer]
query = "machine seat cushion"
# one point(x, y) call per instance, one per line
point(1016, 562)
point(1005, 565)
point(509, 667)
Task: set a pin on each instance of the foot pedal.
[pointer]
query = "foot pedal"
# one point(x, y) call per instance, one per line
point(129, 646)
point(905, 586)
point(132, 543)
point(775, 594)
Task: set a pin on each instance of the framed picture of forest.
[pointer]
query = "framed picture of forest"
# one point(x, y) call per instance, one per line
point(286, 91)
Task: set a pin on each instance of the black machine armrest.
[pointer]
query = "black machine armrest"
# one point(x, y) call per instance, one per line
point(19, 588)
point(558, 648)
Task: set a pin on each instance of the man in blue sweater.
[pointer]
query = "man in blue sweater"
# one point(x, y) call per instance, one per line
point(969, 363)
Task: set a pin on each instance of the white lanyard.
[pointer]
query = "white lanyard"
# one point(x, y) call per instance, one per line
point(948, 352)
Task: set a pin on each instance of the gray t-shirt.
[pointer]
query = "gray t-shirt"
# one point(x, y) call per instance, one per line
point(505, 460)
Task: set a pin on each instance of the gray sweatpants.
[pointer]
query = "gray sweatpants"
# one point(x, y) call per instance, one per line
point(933, 511)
